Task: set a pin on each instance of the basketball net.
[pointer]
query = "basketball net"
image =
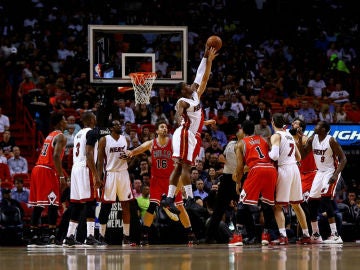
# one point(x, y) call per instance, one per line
point(142, 83)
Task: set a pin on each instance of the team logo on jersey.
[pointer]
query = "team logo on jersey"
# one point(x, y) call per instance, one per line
point(52, 197)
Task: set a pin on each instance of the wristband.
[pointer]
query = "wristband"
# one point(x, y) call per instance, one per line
point(62, 177)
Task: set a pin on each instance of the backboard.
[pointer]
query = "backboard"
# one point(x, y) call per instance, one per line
point(115, 51)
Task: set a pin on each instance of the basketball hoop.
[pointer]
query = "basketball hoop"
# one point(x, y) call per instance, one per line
point(142, 83)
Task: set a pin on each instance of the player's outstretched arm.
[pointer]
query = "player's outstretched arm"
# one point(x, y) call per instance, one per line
point(140, 149)
point(211, 57)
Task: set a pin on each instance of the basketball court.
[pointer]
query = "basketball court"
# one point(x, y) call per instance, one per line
point(201, 257)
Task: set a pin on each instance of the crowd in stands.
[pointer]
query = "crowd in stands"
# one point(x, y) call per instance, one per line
point(304, 65)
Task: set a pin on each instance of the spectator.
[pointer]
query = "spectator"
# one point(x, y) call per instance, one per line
point(19, 192)
point(317, 86)
point(261, 112)
point(214, 148)
point(128, 113)
point(290, 115)
point(3, 159)
point(143, 114)
point(339, 95)
point(325, 114)
point(137, 188)
point(4, 122)
point(4, 173)
point(263, 129)
point(306, 112)
point(199, 192)
point(220, 135)
point(7, 144)
point(71, 120)
point(17, 163)
point(158, 115)
point(210, 180)
point(143, 200)
point(340, 115)
point(354, 113)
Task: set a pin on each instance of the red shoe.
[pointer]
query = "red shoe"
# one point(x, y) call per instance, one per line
point(265, 238)
point(236, 240)
point(282, 240)
point(305, 240)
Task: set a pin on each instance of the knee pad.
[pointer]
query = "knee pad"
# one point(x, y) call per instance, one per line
point(76, 209)
point(152, 207)
point(90, 209)
point(314, 209)
point(52, 214)
point(104, 212)
point(35, 217)
point(268, 213)
point(329, 207)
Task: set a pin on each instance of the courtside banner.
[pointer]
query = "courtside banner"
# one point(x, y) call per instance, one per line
point(345, 134)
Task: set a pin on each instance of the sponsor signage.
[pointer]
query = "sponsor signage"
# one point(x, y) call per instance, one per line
point(346, 135)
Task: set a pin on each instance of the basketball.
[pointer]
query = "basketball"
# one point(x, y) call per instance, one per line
point(214, 41)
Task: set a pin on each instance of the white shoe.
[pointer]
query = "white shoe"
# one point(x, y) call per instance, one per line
point(334, 238)
point(316, 238)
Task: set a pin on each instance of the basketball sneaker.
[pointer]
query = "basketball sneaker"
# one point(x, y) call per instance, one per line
point(334, 238)
point(265, 238)
point(52, 242)
point(71, 242)
point(236, 240)
point(144, 240)
point(305, 240)
point(127, 242)
point(316, 238)
point(36, 241)
point(282, 240)
point(191, 239)
point(90, 241)
point(102, 241)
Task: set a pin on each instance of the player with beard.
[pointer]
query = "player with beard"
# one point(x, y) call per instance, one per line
point(307, 164)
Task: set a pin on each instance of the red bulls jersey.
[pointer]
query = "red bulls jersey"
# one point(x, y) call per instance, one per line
point(162, 163)
point(307, 164)
point(47, 151)
point(256, 150)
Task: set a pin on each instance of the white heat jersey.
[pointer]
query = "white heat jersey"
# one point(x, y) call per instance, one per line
point(323, 154)
point(193, 118)
point(114, 153)
point(287, 149)
point(79, 150)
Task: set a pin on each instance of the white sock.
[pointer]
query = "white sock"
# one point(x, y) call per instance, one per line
point(171, 191)
point(72, 228)
point(200, 72)
point(315, 227)
point(102, 230)
point(90, 225)
point(333, 228)
point(189, 191)
point(282, 231)
point(126, 229)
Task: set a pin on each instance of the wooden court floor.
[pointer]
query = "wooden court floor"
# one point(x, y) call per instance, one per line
point(167, 257)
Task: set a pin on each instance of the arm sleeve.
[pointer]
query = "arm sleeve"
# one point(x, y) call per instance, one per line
point(200, 72)
point(274, 153)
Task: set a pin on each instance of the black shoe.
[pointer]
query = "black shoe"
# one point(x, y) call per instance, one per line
point(192, 239)
point(127, 241)
point(52, 242)
point(36, 241)
point(190, 203)
point(144, 240)
point(101, 241)
point(71, 242)
point(168, 203)
point(91, 241)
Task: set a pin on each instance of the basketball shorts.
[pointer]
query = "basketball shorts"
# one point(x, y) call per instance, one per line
point(321, 187)
point(117, 184)
point(261, 179)
point(288, 186)
point(184, 144)
point(44, 186)
point(82, 185)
